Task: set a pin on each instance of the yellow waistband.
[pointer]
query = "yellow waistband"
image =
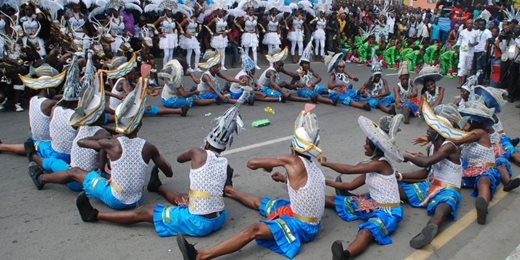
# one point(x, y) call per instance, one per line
point(306, 219)
point(390, 205)
point(199, 194)
point(486, 165)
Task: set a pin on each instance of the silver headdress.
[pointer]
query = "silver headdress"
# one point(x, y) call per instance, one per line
point(52, 6)
point(227, 125)
point(161, 5)
point(130, 112)
point(307, 52)
point(511, 14)
point(377, 66)
point(306, 136)
point(247, 63)
point(115, 4)
point(391, 124)
point(72, 85)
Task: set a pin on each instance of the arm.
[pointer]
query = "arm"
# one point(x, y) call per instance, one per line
point(317, 76)
point(159, 161)
point(362, 168)
point(228, 78)
point(206, 80)
point(426, 161)
point(398, 101)
point(290, 74)
point(268, 163)
point(354, 184)
point(440, 98)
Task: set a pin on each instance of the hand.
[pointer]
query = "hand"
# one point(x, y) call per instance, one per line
point(413, 154)
point(322, 160)
point(108, 182)
point(422, 141)
point(184, 200)
point(243, 80)
point(278, 177)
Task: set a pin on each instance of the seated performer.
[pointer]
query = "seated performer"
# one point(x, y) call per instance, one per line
point(289, 223)
point(269, 81)
point(439, 194)
point(375, 91)
point(406, 94)
point(431, 92)
point(381, 207)
point(173, 94)
point(339, 85)
point(247, 75)
point(208, 85)
point(40, 105)
point(128, 154)
point(308, 89)
point(202, 211)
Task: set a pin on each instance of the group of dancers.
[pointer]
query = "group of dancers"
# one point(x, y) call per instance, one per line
point(86, 136)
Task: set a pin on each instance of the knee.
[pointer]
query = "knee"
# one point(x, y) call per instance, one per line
point(251, 231)
point(145, 212)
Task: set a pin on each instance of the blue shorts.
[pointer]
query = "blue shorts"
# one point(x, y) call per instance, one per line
point(44, 150)
point(152, 111)
point(96, 187)
point(168, 221)
point(345, 98)
point(380, 222)
point(271, 92)
point(177, 102)
point(508, 147)
point(417, 192)
point(235, 95)
point(56, 165)
point(308, 93)
point(210, 94)
point(413, 107)
point(288, 233)
point(471, 182)
point(385, 101)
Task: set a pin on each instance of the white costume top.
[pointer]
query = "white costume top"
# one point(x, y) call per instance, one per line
point(202, 87)
point(114, 102)
point(431, 99)
point(498, 127)
point(340, 79)
point(117, 26)
point(129, 170)
point(264, 81)
point(168, 25)
point(168, 91)
point(209, 179)
point(447, 171)
point(30, 25)
point(38, 121)
point(235, 87)
point(297, 23)
point(475, 153)
point(377, 88)
point(307, 79)
point(309, 200)
point(383, 188)
point(220, 25)
point(272, 26)
point(403, 92)
point(250, 24)
point(84, 158)
point(191, 27)
point(62, 134)
point(321, 24)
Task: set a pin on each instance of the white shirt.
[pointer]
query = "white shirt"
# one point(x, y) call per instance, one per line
point(465, 38)
point(390, 22)
point(482, 38)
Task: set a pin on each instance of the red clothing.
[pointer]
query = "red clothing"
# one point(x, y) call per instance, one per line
point(455, 14)
point(234, 35)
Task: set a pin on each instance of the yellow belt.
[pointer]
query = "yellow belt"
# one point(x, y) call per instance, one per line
point(199, 194)
point(486, 165)
point(112, 184)
point(306, 219)
point(390, 205)
point(501, 132)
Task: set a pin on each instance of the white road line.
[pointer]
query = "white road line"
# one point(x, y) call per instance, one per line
point(515, 255)
point(253, 146)
point(391, 74)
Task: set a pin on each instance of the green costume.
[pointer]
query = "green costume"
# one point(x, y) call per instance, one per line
point(365, 50)
point(430, 54)
point(447, 61)
point(413, 59)
point(389, 56)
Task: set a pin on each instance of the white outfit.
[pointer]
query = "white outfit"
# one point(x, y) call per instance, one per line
point(465, 51)
point(191, 45)
point(383, 188)
point(76, 24)
point(271, 38)
point(249, 37)
point(62, 134)
point(30, 27)
point(296, 36)
point(319, 37)
point(482, 38)
point(202, 87)
point(219, 41)
point(209, 180)
point(2, 42)
point(117, 30)
point(447, 171)
point(129, 170)
point(38, 121)
point(84, 158)
point(309, 200)
point(168, 41)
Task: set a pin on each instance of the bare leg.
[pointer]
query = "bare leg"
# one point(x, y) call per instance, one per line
point(515, 158)
point(143, 214)
point(484, 189)
point(429, 232)
point(12, 148)
point(325, 100)
point(204, 102)
point(482, 201)
point(329, 202)
point(246, 199)
point(388, 110)
point(74, 174)
point(504, 174)
point(235, 243)
point(360, 105)
point(360, 243)
point(299, 99)
point(170, 195)
point(169, 111)
point(442, 212)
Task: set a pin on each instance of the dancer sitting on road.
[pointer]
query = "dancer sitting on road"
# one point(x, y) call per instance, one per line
point(202, 211)
point(405, 94)
point(376, 91)
point(381, 207)
point(269, 81)
point(440, 194)
point(128, 154)
point(247, 75)
point(339, 85)
point(40, 106)
point(289, 223)
point(431, 92)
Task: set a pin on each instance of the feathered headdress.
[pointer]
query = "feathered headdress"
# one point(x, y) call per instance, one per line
point(511, 14)
point(172, 73)
point(306, 136)
point(277, 55)
point(227, 125)
point(307, 6)
point(130, 112)
point(52, 6)
point(115, 4)
point(161, 5)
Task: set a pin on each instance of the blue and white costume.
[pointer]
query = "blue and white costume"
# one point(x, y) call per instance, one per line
point(344, 94)
point(204, 90)
point(31, 28)
point(272, 38)
point(407, 102)
point(306, 91)
point(378, 88)
point(265, 83)
point(479, 161)
point(296, 35)
point(62, 135)
point(381, 208)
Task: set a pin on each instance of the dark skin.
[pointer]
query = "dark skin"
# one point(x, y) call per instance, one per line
point(447, 151)
point(364, 236)
point(430, 87)
point(340, 68)
point(46, 108)
point(404, 80)
point(278, 66)
point(298, 178)
point(197, 157)
point(367, 86)
point(215, 71)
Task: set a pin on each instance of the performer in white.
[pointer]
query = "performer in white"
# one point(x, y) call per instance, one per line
point(319, 32)
point(295, 35)
point(272, 37)
point(219, 40)
point(250, 34)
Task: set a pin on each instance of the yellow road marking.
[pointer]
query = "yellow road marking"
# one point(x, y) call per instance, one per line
point(452, 231)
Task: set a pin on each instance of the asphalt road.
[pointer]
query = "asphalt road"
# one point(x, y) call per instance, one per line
point(46, 225)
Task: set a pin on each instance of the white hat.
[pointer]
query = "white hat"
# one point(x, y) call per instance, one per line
point(476, 110)
point(403, 69)
point(277, 55)
point(172, 73)
point(377, 66)
point(428, 72)
point(48, 77)
point(306, 136)
point(130, 112)
point(119, 67)
point(213, 58)
point(380, 139)
point(443, 122)
point(307, 52)
point(492, 97)
point(331, 60)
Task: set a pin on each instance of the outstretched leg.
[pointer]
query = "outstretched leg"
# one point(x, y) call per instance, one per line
point(143, 214)
point(357, 246)
point(482, 201)
point(155, 185)
point(12, 148)
point(428, 233)
point(246, 199)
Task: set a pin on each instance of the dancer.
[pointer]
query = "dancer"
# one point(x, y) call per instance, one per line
point(406, 94)
point(168, 38)
point(376, 91)
point(250, 34)
point(440, 194)
point(219, 40)
point(247, 75)
point(289, 223)
point(381, 207)
point(339, 84)
point(209, 174)
point(31, 28)
point(295, 35)
point(431, 92)
point(319, 32)
point(190, 43)
point(269, 81)
point(272, 36)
